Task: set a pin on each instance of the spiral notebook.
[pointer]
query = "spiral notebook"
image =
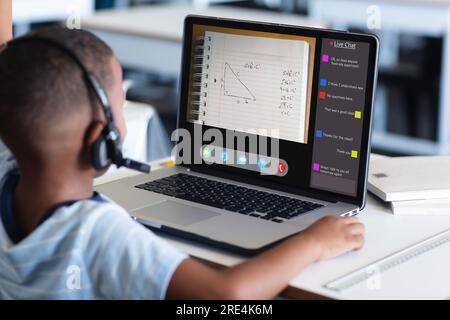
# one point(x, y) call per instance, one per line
point(267, 78)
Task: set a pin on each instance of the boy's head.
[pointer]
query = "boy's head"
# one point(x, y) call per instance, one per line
point(48, 113)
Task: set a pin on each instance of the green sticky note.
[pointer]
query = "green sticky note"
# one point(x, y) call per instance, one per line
point(206, 153)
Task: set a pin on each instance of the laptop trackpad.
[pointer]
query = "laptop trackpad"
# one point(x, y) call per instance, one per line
point(176, 213)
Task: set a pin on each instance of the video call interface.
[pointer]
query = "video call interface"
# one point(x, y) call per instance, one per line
point(262, 83)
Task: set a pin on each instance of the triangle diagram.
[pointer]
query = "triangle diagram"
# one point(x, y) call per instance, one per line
point(234, 87)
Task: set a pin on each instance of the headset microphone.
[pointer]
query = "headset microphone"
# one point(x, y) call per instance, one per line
point(110, 135)
point(136, 165)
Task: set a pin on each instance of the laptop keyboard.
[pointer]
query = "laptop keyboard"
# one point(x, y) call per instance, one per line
point(251, 202)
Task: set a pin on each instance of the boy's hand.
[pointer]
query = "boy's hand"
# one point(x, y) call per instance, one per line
point(335, 236)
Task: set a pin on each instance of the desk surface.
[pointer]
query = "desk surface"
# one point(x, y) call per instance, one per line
point(424, 277)
point(165, 22)
point(385, 234)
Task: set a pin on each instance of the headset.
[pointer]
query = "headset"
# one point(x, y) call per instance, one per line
point(107, 148)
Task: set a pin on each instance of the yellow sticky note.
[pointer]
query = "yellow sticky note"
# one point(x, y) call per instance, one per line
point(358, 114)
point(354, 154)
point(171, 163)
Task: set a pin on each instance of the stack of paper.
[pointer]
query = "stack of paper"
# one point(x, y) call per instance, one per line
point(412, 185)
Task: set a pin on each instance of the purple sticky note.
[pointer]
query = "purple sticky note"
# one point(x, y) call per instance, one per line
point(325, 58)
point(316, 167)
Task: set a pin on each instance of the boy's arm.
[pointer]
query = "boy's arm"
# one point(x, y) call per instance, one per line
point(268, 274)
point(5, 20)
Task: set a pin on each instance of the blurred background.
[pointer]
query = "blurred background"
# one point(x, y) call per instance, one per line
point(412, 108)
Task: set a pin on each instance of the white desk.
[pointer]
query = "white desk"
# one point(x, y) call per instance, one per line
point(385, 234)
point(421, 277)
point(149, 37)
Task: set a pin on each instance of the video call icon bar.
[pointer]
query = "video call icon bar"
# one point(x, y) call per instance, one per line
point(249, 161)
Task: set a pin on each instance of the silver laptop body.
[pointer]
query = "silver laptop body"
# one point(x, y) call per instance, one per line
point(220, 227)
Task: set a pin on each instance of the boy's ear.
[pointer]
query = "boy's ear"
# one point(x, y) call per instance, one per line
point(92, 134)
point(94, 131)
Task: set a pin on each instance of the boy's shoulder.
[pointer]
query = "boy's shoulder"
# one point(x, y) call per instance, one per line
point(98, 212)
point(95, 213)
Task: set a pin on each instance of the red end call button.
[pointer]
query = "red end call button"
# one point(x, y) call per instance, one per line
point(282, 168)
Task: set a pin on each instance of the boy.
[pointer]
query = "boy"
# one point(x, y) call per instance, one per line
point(61, 240)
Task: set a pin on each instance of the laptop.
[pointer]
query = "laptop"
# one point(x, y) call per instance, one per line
point(273, 133)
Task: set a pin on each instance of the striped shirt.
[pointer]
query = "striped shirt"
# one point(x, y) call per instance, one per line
point(88, 249)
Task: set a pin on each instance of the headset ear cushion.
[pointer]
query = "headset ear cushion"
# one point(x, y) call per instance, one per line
point(99, 154)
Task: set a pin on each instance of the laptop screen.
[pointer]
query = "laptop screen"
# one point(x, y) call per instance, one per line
point(288, 106)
